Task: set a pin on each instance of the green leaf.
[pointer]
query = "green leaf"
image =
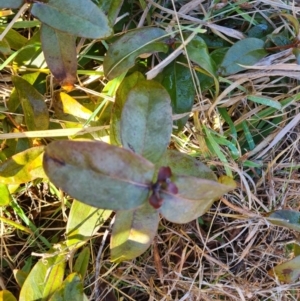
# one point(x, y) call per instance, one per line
point(14, 100)
point(20, 276)
point(4, 47)
point(33, 104)
point(185, 165)
point(6, 295)
point(82, 262)
point(285, 218)
point(111, 9)
point(244, 52)
point(60, 54)
point(198, 53)
point(71, 289)
point(11, 3)
point(264, 100)
point(80, 18)
point(15, 40)
point(122, 54)
point(133, 232)
point(83, 222)
point(44, 279)
point(146, 122)
point(121, 96)
point(5, 195)
point(177, 80)
point(194, 198)
point(99, 174)
point(23, 167)
point(287, 272)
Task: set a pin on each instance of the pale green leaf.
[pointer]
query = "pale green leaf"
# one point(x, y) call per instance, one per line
point(83, 222)
point(133, 232)
point(146, 122)
point(99, 174)
point(80, 18)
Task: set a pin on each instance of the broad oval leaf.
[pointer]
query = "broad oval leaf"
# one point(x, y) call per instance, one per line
point(194, 198)
point(133, 232)
point(80, 18)
point(121, 95)
point(11, 3)
point(185, 165)
point(146, 122)
point(198, 53)
point(285, 218)
point(44, 279)
point(99, 174)
point(287, 272)
point(6, 295)
point(177, 80)
point(70, 289)
point(121, 55)
point(83, 222)
point(60, 54)
point(244, 52)
point(23, 167)
point(33, 104)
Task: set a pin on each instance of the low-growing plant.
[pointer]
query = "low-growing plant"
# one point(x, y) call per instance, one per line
point(135, 177)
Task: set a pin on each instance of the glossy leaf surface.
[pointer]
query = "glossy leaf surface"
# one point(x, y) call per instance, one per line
point(71, 289)
point(83, 222)
point(121, 96)
point(99, 174)
point(80, 18)
point(287, 272)
point(122, 54)
point(177, 80)
point(23, 167)
point(285, 218)
point(44, 279)
point(146, 122)
point(11, 3)
point(133, 232)
point(186, 165)
point(60, 54)
point(194, 198)
point(35, 110)
point(245, 52)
